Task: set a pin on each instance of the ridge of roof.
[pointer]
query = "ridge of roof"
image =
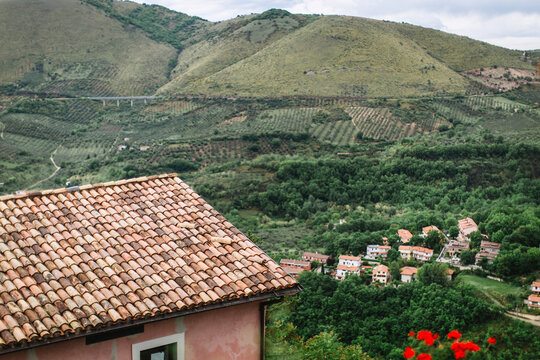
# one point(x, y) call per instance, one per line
point(28, 194)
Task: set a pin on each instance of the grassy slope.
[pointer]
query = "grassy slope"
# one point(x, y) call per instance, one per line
point(362, 56)
point(162, 24)
point(78, 41)
point(224, 44)
point(460, 52)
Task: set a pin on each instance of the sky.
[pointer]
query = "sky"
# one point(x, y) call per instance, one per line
point(514, 24)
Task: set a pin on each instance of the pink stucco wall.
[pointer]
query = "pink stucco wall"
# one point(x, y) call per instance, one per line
point(229, 333)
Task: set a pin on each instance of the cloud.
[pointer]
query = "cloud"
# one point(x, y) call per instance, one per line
point(513, 24)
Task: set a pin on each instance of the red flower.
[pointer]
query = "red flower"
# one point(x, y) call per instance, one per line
point(408, 353)
point(492, 340)
point(454, 334)
point(435, 336)
point(424, 357)
point(412, 333)
point(427, 336)
point(471, 346)
point(459, 354)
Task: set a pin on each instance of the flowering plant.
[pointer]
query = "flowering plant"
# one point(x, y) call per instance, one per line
point(428, 346)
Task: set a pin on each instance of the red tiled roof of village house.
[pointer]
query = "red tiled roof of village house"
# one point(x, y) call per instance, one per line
point(429, 228)
point(288, 262)
point(534, 297)
point(422, 249)
point(489, 244)
point(347, 268)
point(380, 268)
point(535, 283)
point(349, 257)
point(75, 261)
point(408, 270)
point(385, 247)
point(405, 235)
point(316, 255)
point(404, 247)
point(467, 223)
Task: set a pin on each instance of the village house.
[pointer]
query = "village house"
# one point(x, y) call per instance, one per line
point(295, 267)
point(376, 251)
point(408, 274)
point(381, 274)
point(404, 235)
point(348, 265)
point(449, 274)
point(405, 251)
point(488, 250)
point(466, 227)
point(421, 253)
point(427, 229)
point(533, 301)
point(535, 286)
point(132, 269)
point(454, 248)
point(418, 253)
point(321, 258)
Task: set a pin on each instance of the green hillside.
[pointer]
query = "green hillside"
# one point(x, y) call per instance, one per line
point(226, 43)
point(460, 52)
point(74, 48)
point(345, 56)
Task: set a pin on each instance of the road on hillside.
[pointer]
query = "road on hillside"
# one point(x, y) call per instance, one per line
point(57, 168)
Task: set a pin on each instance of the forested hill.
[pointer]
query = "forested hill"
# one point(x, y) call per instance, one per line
point(102, 47)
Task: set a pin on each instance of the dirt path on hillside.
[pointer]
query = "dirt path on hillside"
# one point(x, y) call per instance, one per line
point(2, 127)
point(57, 168)
point(531, 319)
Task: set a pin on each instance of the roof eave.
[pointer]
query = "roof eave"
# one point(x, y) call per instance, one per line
point(220, 305)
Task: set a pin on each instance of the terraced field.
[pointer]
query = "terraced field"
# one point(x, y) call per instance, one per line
point(493, 102)
point(379, 123)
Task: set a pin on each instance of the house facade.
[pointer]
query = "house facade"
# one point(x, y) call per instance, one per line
point(381, 274)
point(348, 265)
point(418, 253)
point(533, 301)
point(376, 251)
point(535, 287)
point(132, 270)
point(408, 274)
point(488, 250)
point(310, 256)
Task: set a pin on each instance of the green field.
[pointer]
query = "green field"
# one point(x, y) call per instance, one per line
point(501, 291)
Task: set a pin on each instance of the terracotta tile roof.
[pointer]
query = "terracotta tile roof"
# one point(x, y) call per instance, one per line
point(535, 283)
point(429, 228)
point(76, 261)
point(422, 249)
point(467, 225)
point(322, 257)
point(349, 257)
point(534, 297)
point(379, 268)
point(405, 235)
point(408, 270)
point(295, 263)
point(489, 245)
point(348, 268)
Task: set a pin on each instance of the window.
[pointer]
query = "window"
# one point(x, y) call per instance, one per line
point(165, 348)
